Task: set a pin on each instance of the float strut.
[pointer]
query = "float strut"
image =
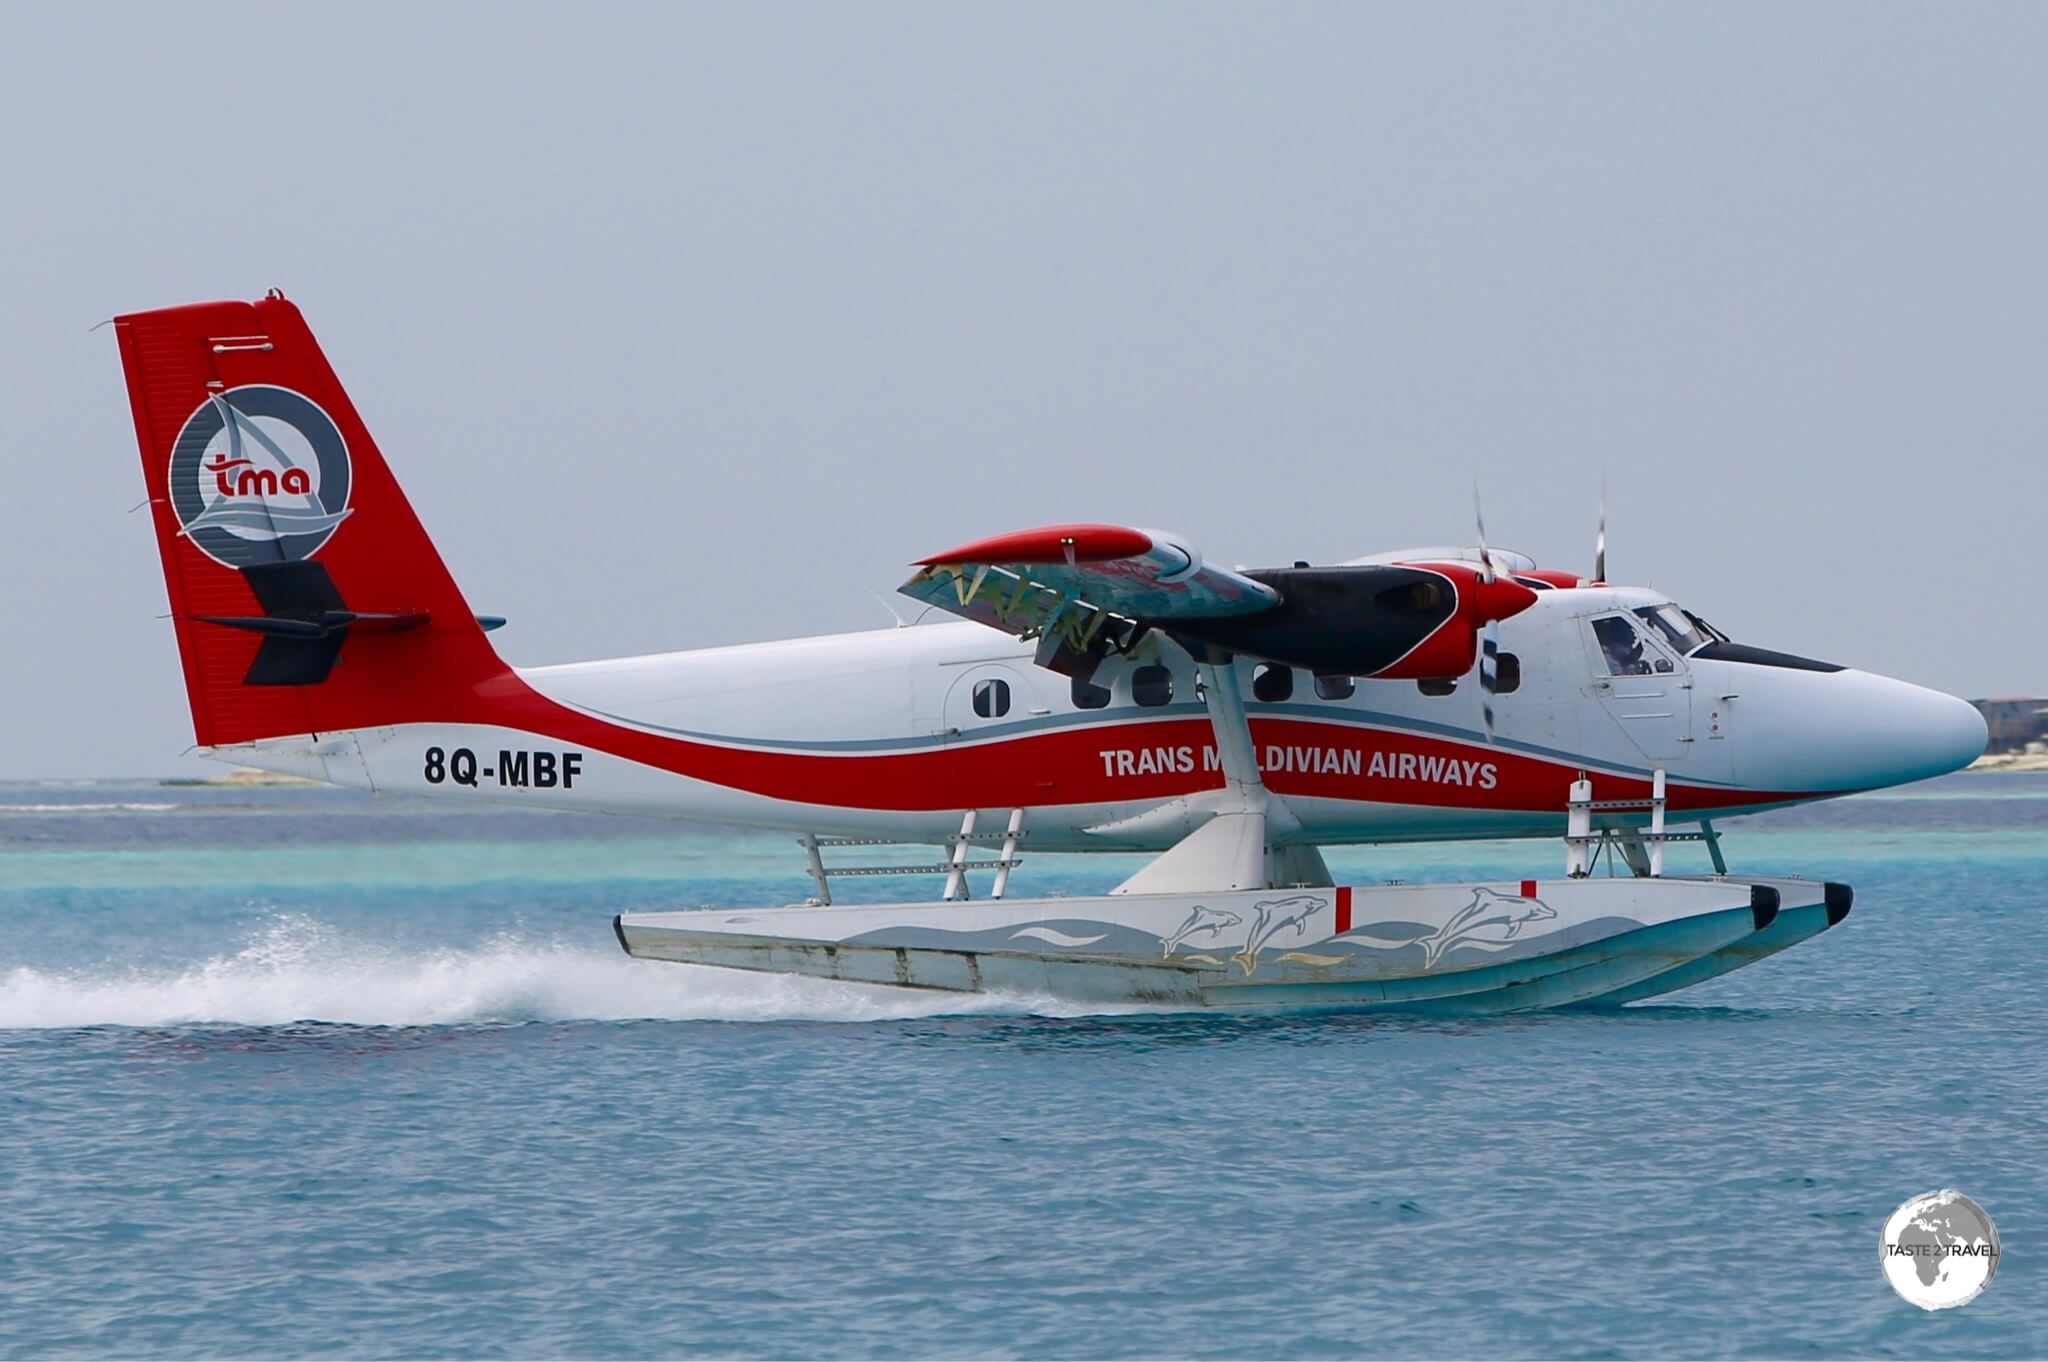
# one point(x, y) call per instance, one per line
point(956, 876)
point(1009, 856)
point(1578, 829)
point(810, 843)
point(1656, 838)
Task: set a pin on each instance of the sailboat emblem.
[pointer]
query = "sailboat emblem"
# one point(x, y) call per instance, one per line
point(259, 474)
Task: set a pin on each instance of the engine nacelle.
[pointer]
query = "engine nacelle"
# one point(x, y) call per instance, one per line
point(1398, 621)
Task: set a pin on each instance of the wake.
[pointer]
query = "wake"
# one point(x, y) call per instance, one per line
point(299, 970)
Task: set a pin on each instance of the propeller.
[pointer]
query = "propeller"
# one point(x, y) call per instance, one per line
point(1489, 636)
point(1600, 541)
point(1485, 555)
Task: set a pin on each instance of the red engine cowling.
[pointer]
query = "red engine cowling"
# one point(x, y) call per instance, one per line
point(1452, 648)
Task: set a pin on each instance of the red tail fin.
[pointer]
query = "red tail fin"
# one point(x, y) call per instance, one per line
point(306, 595)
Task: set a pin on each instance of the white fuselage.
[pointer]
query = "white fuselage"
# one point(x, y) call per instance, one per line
point(894, 733)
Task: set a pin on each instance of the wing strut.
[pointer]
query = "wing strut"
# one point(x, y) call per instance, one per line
point(1229, 850)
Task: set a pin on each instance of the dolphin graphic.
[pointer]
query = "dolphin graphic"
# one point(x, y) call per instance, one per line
point(1491, 921)
point(1203, 921)
point(1269, 916)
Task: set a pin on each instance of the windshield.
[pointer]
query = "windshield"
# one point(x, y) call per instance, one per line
point(1709, 630)
point(1680, 628)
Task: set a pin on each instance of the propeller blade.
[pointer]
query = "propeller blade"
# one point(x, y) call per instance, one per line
point(1489, 636)
point(1489, 672)
point(1600, 543)
point(1485, 554)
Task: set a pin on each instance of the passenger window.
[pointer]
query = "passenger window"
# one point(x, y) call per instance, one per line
point(1335, 687)
point(1273, 684)
point(1152, 686)
point(992, 698)
point(1507, 674)
point(1435, 686)
point(1620, 646)
point(1088, 695)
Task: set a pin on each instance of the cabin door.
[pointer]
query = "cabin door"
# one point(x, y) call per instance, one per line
point(988, 699)
point(1643, 686)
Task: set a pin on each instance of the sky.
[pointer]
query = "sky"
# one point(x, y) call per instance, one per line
point(694, 325)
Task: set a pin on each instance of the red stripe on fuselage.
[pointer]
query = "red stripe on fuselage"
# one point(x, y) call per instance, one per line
point(1109, 763)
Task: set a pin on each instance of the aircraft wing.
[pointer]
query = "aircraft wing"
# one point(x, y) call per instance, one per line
point(1084, 591)
point(1073, 581)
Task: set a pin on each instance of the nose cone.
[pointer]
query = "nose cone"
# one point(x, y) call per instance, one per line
point(1917, 733)
point(1838, 731)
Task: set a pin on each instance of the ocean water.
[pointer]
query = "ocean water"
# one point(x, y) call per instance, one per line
point(294, 1072)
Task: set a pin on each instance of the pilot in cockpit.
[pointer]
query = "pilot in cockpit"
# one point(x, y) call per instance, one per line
point(1621, 646)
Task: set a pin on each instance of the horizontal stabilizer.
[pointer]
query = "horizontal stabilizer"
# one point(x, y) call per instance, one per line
point(321, 625)
point(304, 623)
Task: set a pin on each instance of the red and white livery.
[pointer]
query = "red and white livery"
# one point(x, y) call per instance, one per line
point(1101, 687)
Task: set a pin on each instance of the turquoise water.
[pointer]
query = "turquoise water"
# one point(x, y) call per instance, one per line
point(292, 1072)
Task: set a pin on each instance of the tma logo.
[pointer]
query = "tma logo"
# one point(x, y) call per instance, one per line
point(256, 482)
point(259, 474)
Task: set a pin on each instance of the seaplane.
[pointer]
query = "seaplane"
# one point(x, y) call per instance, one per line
point(1072, 688)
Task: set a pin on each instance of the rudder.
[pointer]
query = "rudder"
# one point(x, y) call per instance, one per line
point(306, 595)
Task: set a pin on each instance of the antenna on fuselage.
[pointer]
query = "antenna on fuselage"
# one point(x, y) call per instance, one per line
point(901, 623)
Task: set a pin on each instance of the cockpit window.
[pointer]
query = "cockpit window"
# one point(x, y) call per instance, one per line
point(1621, 646)
point(1682, 630)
